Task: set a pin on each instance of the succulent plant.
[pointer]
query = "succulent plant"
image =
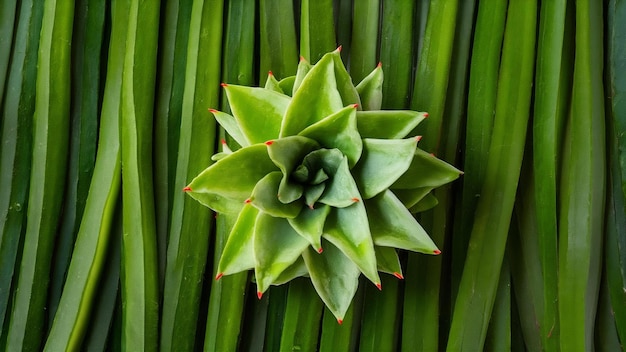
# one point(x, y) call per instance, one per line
point(324, 183)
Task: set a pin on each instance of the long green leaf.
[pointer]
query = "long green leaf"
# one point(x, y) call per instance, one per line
point(8, 15)
point(277, 36)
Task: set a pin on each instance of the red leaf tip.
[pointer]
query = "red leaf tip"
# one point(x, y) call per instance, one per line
point(379, 286)
point(354, 106)
point(425, 115)
point(219, 276)
point(339, 321)
point(187, 189)
point(380, 64)
point(437, 252)
point(268, 143)
point(339, 48)
point(418, 138)
point(320, 250)
point(270, 73)
point(355, 199)
point(259, 294)
point(223, 141)
point(398, 275)
point(248, 201)
point(212, 111)
point(223, 84)
point(302, 59)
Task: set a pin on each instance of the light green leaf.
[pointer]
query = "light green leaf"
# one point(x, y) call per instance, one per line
point(229, 123)
point(271, 83)
point(225, 185)
point(341, 190)
point(276, 247)
point(348, 229)
point(410, 197)
point(428, 202)
point(304, 67)
point(388, 261)
point(286, 84)
point(382, 163)
point(310, 225)
point(265, 198)
point(258, 111)
point(334, 276)
point(295, 270)
point(338, 130)
point(426, 171)
point(316, 98)
point(349, 94)
point(392, 225)
point(238, 253)
point(371, 89)
point(388, 124)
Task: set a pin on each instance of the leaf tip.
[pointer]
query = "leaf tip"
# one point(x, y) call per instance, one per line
point(320, 250)
point(398, 275)
point(219, 276)
point(418, 138)
point(268, 143)
point(356, 199)
point(379, 286)
point(270, 73)
point(436, 252)
point(248, 201)
point(187, 189)
point(223, 84)
point(213, 111)
point(380, 65)
point(425, 115)
point(339, 48)
point(339, 321)
point(354, 106)
point(259, 294)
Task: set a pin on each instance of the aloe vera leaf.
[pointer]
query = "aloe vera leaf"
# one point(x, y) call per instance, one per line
point(317, 29)
point(225, 185)
point(380, 326)
point(92, 242)
point(338, 130)
point(139, 274)
point(316, 98)
point(347, 229)
point(582, 185)
point(190, 224)
point(382, 162)
point(303, 313)
point(392, 225)
point(277, 36)
point(8, 15)
point(47, 181)
point(396, 52)
point(615, 256)
point(16, 152)
point(86, 92)
point(248, 103)
point(493, 214)
point(388, 124)
point(370, 89)
point(167, 115)
point(363, 48)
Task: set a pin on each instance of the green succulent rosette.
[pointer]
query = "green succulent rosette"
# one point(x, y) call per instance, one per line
point(324, 183)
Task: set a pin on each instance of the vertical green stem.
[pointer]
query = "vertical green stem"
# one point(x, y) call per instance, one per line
point(317, 29)
point(277, 35)
point(364, 46)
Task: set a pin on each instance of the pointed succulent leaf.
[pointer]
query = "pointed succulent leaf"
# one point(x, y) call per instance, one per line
point(316, 98)
point(276, 247)
point(349, 94)
point(371, 89)
point(348, 229)
point(229, 123)
point(265, 197)
point(287, 153)
point(271, 83)
point(313, 193)
point(304, 66)
point(238, 253)
point(426, 171)
point(310, 224)
point(388, 124)
point(428, 202)
point(392, 225)
point(225, 185)
point(410, 197)
point(286, 84)
point(338, 130)
point(382, 162)
point(341, 190)
point(258, 111)
point(334, 276)
point(388, 261)
point(295, 270)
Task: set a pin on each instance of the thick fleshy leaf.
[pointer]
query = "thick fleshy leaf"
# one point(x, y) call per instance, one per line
point(382, 162)
point(265, 198)
point(426, 171)
point(338, 130)
point(238, 253)
point(286, 84)
point(410, 197)
point(288, 153)
point(271, 83)
point(225, 185)
point(304, 67)
point(229, 123)
point(313, 193)
point(334, 276)
point(316, 98)
point(341, 190)
point(258, 111)
point(349, 94)
point(428, 202)
point(348, 229)
point(371, 89)
point(392, 225)
point(388, 261)
point(295, 270)
point(310, 224)
point(388, 124)
point(276, 246)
